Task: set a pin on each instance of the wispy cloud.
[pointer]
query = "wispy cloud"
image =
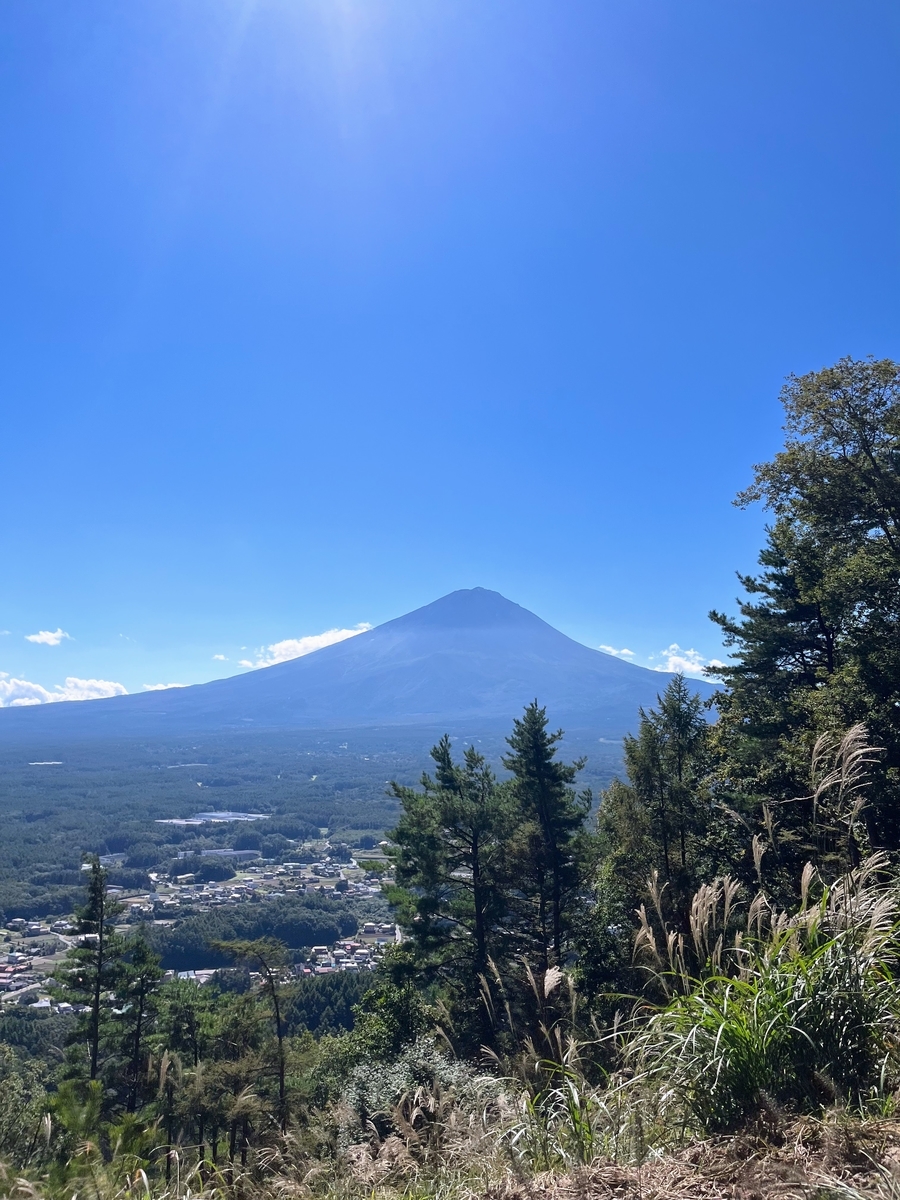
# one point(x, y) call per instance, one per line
point(296, 647)
point(46, 637)
point(219, 658)
point(685, 662)
point(162, 687)
point(618, 653)
point(17, 693)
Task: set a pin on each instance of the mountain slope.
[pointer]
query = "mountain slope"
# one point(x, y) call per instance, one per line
point(472, 657)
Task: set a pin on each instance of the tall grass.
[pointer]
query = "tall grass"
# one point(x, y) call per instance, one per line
point(794, 1009)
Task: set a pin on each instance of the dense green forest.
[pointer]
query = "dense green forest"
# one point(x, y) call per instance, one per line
point(102, 797)
point(707, 950)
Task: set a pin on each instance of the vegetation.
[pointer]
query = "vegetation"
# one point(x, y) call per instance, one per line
point(714, 956)
point(106, 797)
point(298, 921)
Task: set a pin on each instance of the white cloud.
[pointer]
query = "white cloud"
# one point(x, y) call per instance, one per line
point(46, 637)
point(617, 653)
point(296, 647)
point(162, 687)
point(219, 658)
point(685, 662)
point(17, 693)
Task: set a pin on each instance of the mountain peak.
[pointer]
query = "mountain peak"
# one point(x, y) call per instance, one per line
point(468, 608)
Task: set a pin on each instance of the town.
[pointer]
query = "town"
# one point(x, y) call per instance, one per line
point(35, 949)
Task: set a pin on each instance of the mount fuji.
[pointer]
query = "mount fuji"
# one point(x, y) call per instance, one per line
point(473, 658)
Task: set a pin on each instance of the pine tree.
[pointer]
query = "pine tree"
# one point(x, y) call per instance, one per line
point(136, 988)
point(551, 843)
point(92, 968)
point(450, 857)
point(817, 645)
point(269, 956)
point(664, 818)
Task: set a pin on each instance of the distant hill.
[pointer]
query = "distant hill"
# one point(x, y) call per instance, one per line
point(472, 658)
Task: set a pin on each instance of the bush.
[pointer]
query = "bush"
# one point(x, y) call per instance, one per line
point(374, 1093)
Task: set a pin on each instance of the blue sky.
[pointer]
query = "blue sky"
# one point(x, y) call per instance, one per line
point(315, 311)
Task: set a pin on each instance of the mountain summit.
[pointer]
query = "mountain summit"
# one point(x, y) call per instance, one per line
point(472, 657)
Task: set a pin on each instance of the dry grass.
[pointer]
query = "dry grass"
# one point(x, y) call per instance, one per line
point(834, 1158)
point(816, 1160)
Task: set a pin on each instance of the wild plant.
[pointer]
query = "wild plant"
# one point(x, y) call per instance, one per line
point(797, 1009)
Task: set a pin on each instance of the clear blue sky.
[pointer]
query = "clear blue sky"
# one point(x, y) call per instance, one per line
point(315, 311)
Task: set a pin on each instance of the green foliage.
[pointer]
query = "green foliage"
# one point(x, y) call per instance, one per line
point(90, 972)
point(549, 847)
point(186, 1021)
point(604, 941)
point(324, 1004)
point(138, 977)
point(204, 870)
point(394, 1098)
point(798, 1010)
point(489, 874)
point(666, 823)
point(451, 859)
point(298, 921)
point(23, 1104)
point(817, 645)
point(393, 1012)
point(38, 1034)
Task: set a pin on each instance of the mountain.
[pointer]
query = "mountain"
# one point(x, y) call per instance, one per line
point(472, 658)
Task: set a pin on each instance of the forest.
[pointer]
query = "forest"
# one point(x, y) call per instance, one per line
point(686, 985)
point(106, 797)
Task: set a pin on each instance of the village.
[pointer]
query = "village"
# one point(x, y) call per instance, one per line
point(32, 950)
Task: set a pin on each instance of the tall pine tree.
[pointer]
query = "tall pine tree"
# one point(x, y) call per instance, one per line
point(450, 859)
point(551, 844)
point(92, 968)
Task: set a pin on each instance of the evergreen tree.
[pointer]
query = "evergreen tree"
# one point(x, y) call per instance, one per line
point(817, 645)
point(665, 818)
point(550, 846)
point(450, 859)
point(185, 1020)
point(269, 956)
point(92, 968)
point(136, 987)
point(667, 763)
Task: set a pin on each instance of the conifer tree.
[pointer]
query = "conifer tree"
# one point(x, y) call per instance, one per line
point(91, 970)
point(136, 988)
point(664, 818)
point(550, 844)
point(669, 760)
point(450, 856)
point(269, 956)
point(817, 645)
